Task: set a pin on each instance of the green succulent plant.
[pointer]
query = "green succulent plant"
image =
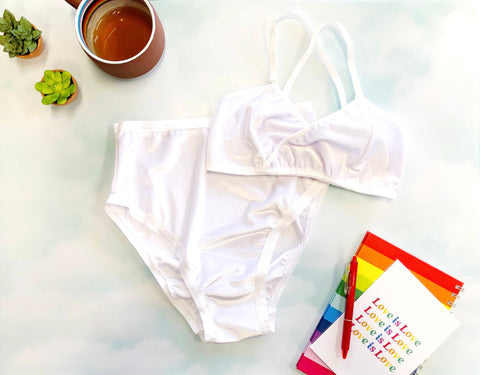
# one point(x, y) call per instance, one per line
point(20, 38)
point(56, 86)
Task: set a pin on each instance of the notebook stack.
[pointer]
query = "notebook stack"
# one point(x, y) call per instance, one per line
point(374, 256)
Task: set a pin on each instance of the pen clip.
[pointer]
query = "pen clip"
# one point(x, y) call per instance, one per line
point(345, 278)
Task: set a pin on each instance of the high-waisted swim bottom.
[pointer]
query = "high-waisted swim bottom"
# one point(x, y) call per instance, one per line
point(221, 246)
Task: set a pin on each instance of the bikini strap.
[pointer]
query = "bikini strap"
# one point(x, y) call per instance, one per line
point(315, 41)
point(273, 40)
point(352, 67)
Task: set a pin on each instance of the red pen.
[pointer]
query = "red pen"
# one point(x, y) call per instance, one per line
point(347, 323)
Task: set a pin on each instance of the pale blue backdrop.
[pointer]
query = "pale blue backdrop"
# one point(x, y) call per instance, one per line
point(75, 298)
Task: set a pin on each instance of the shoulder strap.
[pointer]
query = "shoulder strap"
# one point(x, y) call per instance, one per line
point(315, 42)
point(352, 67)
point(296, 71)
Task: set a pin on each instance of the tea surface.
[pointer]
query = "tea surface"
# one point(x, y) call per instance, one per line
point(121, 33)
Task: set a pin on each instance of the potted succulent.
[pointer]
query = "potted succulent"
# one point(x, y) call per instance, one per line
point(20, 38)
point(57, 87)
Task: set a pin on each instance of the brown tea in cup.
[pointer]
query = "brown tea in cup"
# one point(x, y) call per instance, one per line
point(118, 29)
point(122, 41)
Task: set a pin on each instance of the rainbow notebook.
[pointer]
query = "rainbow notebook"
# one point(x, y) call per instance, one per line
point(374, 256)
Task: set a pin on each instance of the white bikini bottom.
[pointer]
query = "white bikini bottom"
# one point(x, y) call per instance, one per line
point(220, 245)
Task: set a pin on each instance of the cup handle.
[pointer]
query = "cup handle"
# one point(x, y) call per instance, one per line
point(74, 3)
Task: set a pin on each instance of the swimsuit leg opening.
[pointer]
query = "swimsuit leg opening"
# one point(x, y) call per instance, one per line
point(122, 215)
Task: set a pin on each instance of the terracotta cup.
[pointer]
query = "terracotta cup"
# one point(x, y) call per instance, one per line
point(134, 66)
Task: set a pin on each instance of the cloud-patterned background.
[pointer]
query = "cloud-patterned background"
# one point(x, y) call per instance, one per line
point(75, 298)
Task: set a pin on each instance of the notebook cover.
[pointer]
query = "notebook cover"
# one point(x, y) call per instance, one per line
point(398, 323)
point(375, 255)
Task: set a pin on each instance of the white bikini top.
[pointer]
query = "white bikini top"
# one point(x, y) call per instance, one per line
point(260, 131)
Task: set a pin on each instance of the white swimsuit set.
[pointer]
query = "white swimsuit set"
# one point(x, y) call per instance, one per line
point(220, 208)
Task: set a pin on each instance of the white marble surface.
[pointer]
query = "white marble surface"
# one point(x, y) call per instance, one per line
point(76, 299)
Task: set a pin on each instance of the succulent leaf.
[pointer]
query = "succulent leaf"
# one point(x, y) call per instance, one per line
point(49, 81)
point(57, 77)
point(66, 78)
point(10, 46)
point(71, 89)
point(56, 91)
point(68, 91)
point(25, 25)
point(49, 99)
point(10, 18)
point(19, 34)
point(36, 34)
point(62, 100)
point(58, 87)
point(5, 26)
point(31, 45)
point(48, 73)
point(43, 88)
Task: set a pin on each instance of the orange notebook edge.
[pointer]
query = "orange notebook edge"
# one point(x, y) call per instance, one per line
point(416, 265)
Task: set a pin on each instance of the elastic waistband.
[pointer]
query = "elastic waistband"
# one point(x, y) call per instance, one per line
point(162, 125)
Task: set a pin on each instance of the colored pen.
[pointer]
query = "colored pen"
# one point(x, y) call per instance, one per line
point(347, 323)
